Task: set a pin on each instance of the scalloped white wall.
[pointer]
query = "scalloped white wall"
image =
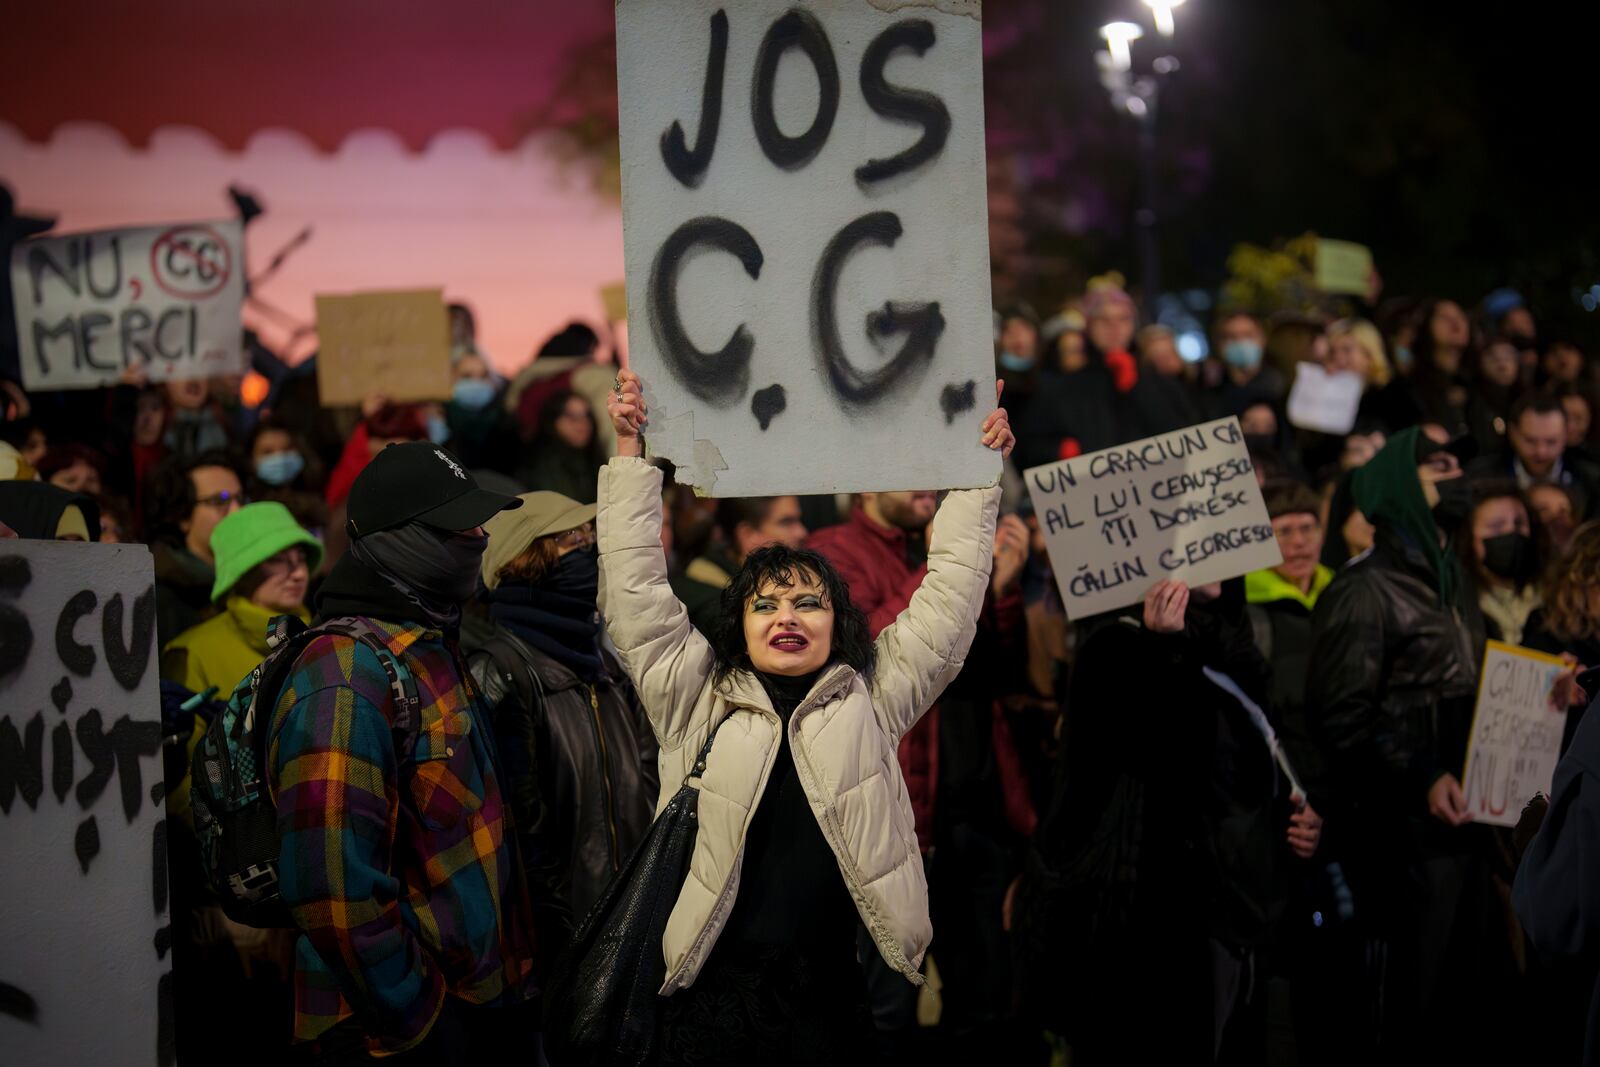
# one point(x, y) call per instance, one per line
point(528, 246)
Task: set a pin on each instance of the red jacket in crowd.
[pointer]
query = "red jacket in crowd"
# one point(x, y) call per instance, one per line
point(874, 563)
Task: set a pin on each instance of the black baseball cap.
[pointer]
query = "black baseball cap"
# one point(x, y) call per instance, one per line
point(415, 481)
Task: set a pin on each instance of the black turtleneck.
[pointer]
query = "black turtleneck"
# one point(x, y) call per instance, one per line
point(791, 895)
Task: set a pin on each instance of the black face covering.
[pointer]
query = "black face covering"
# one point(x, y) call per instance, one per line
point(1262, 442)
point(1511, 556)
point(436, 570)
point(1455, 504)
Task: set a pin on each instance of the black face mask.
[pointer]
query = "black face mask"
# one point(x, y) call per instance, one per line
point(1455, 504)
point(1262, 443)
point(577, 575)
point(436, 570)
point(1511, 556)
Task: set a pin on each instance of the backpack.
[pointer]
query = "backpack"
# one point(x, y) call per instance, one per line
point(235, 817)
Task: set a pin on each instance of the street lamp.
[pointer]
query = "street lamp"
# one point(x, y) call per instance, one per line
point(1119, 35)
point(1162, 10)
point(1139, 97)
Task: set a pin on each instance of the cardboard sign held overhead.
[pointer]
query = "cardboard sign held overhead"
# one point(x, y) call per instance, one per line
point(91, 306)
point(1516, 733)
point(805, 223)
point(1180, 505)
point(86, 957)
point(394, 343)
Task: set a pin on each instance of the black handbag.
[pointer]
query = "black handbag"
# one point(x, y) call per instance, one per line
point(601, 1006)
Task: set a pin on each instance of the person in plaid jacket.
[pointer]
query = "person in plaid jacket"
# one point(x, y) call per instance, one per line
point(397, 858)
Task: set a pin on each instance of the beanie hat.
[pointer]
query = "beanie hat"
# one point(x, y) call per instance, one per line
point(251, 536)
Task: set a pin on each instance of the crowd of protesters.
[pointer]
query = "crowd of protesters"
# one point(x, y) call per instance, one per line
point(1114, 863)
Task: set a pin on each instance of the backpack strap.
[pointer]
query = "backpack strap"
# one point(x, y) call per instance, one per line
point(407, 718)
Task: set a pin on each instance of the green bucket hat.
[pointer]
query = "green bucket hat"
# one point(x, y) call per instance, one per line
point(251, 536)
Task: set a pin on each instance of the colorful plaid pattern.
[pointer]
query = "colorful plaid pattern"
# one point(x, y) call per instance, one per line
point(397, 870)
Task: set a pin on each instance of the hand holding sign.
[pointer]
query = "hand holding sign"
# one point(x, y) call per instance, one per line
point(626, 406)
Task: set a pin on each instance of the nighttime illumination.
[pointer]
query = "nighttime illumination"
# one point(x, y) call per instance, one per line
point(1162, 10)
point(1119, 35)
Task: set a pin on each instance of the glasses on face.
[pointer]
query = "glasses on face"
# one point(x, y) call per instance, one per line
point(286, 562)
point(578, 537)
point(224, 500)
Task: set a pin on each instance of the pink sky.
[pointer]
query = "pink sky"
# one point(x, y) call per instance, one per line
point(507, 232)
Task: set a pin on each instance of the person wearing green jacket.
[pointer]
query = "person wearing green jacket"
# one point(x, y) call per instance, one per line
point(264, 563)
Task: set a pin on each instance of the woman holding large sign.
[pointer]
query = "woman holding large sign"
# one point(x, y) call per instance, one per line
point(805, 825)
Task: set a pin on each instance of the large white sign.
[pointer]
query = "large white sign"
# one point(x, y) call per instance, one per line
point(164, 298)
point(1179, 505)
point(1516, 733)
point(85, 934)
point(806, 230)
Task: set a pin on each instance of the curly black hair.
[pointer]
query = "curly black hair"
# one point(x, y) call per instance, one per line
point(783, 567)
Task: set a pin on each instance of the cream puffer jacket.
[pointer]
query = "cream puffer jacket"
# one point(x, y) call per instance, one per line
point(843, 735)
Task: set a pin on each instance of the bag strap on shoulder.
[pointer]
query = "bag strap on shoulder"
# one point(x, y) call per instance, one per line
point(699, 767)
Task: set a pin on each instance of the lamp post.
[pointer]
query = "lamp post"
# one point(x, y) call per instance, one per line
point(1139, 97)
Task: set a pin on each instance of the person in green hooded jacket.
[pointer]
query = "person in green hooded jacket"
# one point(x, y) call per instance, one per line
point(1397, 639)
point(264, 563)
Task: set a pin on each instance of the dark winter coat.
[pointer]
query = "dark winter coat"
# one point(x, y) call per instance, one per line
point(579, 762)
point(1164, 833)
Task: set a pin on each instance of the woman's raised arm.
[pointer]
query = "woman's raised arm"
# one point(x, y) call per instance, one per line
point(668, 660)
point(922, 650)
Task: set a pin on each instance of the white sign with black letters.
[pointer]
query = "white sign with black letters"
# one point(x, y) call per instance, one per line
point(1516, 733)
point(85, 925)
point(1180, 505)
point(163, 299)
point(806, 232)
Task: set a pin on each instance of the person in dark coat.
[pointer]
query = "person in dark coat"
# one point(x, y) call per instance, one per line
point(577, 750)
point(1159, 870)
point(1557, 899)
point(1536, 453)
point(1436, 388)
point(184, 501)
point(1396, 644)
point(39, 511)
point(1246, 378)
point(567, 454)
point(1082, 404)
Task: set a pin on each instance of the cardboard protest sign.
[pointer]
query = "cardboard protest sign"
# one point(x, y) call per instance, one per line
point(614, 298)
point(394, 343)
point(1343, 267)
point(1323, 402)
point(1180, 505)
point(805, 224)
point(165, 298)
point(1516, 733)
point(85, 973)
